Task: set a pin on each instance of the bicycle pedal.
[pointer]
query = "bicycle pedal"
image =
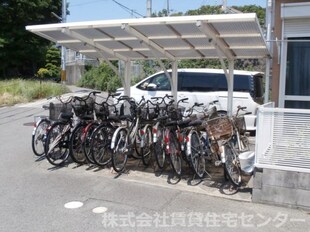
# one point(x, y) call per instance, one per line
point(217, 163)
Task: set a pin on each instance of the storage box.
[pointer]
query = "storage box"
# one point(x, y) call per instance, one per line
point(247, 161)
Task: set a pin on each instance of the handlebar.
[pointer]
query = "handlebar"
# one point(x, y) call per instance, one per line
point(87, 97)
point(163, 99)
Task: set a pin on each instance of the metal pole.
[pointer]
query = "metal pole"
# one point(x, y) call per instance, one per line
point(268, 60)
point(168, 8)
point(63, 49)
point(148, 8)
point(230, 84)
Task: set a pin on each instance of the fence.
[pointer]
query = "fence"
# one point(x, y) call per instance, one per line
point(283, 139)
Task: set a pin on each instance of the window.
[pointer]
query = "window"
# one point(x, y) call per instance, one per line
point(197, 82)
point(208, 82)
point(161, 81)
point(298, 71)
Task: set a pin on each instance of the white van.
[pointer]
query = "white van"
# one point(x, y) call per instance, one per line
point(205, 86)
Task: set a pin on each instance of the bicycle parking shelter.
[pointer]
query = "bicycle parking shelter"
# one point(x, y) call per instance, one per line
point(224, 36)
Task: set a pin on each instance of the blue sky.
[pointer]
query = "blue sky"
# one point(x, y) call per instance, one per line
point(88, 10)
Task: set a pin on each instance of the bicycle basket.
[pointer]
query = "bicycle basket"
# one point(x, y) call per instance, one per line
point(83, 107)
point(56, 109)
point(240, 124)
point(101, 111)
point(176, 114)
point(148, 114)
point(219, 128)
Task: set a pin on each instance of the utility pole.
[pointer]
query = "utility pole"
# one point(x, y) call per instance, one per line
point(224, 6)
point(168, 8)
point(148, 8)
point(63, 49)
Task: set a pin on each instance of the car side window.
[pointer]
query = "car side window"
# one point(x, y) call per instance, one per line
point(197, 82)
point(160, 81)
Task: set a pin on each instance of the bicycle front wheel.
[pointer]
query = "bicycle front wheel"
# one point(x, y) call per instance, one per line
point(159, 150)
point(120, 153)
point(57, 148)
point(231, 165)
point(100, 145)
point(197, 157)
point(39, 137)
point(76, 144)
point(147, 146)
point(175, 154)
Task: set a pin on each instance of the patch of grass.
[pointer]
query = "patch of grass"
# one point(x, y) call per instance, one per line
point(19, 91)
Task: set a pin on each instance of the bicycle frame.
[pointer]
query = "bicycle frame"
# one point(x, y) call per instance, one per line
point(131, 135)
point(59, 137)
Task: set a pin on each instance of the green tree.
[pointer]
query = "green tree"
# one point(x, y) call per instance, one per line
point(52, 64)
point(22, 52)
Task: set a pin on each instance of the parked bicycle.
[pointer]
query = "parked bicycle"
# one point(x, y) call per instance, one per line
point(100, 139)
point(226, 143)
point(43, 123)
point(59, 144)
point(124, 137)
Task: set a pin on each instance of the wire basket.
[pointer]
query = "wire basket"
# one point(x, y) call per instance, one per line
point(83, 107)
point(219, 128)
point(149, 114)
point(103, 111)
point(240, 124)
point(176, 113)
point(55, 109)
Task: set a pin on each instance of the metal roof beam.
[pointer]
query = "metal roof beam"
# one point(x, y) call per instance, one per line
point(68, 41)
point(147, 41)
point(112, 66)
point(92, 43)
point(217, 42)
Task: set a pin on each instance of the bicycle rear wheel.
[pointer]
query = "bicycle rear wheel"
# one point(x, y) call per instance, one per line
point(231, 165)
point(88, 131)
point(197, 157)
point(146, 153)
point(120, 153)
point(39, 137)
point(159, 150)
point(100, 145)
point(175, 154)
point(76, 144)
point(57, 148)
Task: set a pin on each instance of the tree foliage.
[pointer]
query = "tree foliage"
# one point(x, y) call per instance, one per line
point(52, 64)
point(22, 52)
point(101, 78)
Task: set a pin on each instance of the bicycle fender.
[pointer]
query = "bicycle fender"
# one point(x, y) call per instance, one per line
point(114, 136)
point(155, 128)
point(143, 134)
point(188, 143)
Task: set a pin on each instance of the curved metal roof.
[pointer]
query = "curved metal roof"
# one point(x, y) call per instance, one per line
point(232, 36)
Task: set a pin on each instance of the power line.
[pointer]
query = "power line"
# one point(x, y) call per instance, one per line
point(87, 3)
point(131, 11)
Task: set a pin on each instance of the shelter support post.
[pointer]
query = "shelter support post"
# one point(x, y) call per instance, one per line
point(230, 85)
point(230, 82)
point(267, 83)
point(127, 78)
point(174, 81)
